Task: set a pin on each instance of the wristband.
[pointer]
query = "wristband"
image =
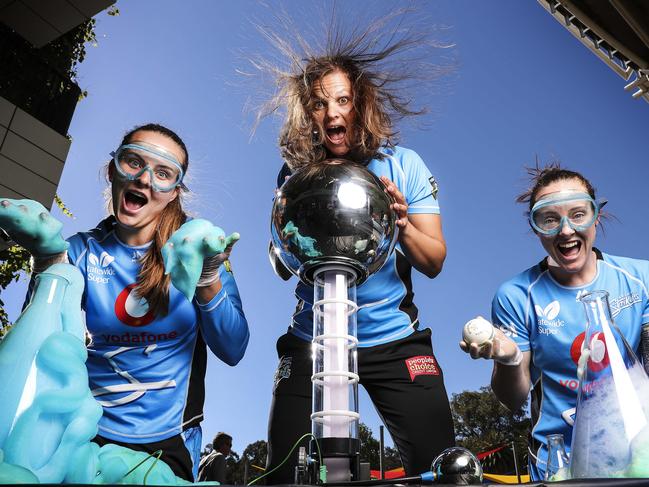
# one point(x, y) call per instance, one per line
point(515, 360)
point(210, 272)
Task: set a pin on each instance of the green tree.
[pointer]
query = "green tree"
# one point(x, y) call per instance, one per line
point(370, 446)
point(63, 55)
point(482, 423)
point(255, 456)
point(371, 450)
point(13, 261)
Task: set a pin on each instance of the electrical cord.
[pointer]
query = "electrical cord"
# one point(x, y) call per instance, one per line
point(306, 435)
point(157, 454)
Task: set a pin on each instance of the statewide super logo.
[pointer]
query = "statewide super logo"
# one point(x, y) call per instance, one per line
point(546, 318)
point(131, 309)
point(99, 269)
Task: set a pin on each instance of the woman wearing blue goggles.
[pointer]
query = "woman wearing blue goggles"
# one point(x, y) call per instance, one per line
point(133, 160)
point(539, 322)
point(553, 212)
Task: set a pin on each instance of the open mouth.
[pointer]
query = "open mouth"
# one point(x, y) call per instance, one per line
point(569, 249)
point(134, 200)
point(336, 134)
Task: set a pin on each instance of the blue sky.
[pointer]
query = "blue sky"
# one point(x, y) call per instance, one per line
point(523, 87)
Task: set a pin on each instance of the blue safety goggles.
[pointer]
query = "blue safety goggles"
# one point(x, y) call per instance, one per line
point(133, 160)
point(576, 209)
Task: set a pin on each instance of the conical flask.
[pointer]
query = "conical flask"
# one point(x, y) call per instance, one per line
point(611, 422)
point(558, 462)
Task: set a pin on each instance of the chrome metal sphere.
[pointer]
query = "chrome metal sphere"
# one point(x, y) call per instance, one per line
point(333, 213)
point(457, 466)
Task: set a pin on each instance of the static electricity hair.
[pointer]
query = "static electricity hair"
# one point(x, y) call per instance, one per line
point(383, 62)
point(540, 177)
point(152, 283)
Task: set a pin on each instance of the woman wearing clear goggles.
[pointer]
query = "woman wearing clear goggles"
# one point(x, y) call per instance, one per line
point(575, 209)
point(539, 322)
point(143, 320)
point(164, 170)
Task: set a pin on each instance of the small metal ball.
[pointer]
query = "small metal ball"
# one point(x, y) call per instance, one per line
point(457, 466)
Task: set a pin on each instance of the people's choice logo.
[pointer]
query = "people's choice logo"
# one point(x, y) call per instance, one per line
point(98, 268)
point(131, 309)
point(421, 365)
point(548, 324)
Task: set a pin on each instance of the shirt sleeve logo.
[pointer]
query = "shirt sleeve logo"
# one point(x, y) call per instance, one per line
point(434, 186)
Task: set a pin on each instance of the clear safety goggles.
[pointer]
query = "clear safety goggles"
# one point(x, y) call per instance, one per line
point(576, 209)
point(133, 160)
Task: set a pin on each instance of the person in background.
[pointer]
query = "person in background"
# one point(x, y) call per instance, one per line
point(213, 465)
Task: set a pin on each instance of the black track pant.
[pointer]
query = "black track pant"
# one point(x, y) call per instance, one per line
point(404, 382)
point(174, 453)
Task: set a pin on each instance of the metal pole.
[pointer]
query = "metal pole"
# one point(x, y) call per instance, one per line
point(518, 475)
point(382, 453)
point(245, 470)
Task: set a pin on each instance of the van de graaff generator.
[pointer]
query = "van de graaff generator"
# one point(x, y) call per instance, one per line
point(332, 226)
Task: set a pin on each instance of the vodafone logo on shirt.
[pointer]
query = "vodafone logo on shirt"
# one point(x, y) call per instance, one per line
point(598, 359)
point(132, 310)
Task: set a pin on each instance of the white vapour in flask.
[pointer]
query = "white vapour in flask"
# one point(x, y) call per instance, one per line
point(613, 400)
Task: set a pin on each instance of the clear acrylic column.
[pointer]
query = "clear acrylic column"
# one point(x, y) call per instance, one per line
point(610, 436)
point(335, 370)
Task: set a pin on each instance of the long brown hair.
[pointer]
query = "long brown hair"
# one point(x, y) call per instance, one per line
point(382, 68)
point(540, 177)
point(152, 283)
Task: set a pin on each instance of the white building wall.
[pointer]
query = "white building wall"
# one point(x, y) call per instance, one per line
point(32, 156)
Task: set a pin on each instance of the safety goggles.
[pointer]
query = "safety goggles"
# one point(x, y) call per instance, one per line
point(133, 160)
point(576, 209)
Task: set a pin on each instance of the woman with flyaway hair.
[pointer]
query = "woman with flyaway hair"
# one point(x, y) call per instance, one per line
point(342, 101)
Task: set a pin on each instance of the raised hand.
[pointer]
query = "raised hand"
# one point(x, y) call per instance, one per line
point(481, 339)
point(194, 244)
point(400, 206)
point(31, 226)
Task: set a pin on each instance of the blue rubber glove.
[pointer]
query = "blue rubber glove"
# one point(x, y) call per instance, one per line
point(188, 249)
point(31, 226)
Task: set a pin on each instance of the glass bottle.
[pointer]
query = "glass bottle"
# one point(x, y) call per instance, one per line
point(558, 462)
point(611, 421)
